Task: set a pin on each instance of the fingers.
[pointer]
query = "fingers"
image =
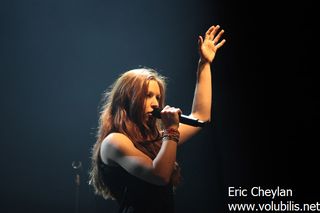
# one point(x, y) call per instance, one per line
point(211, 35)
point(171, 110)
point(220, 43)
point(217, 38)
point(214, 31)
point(170, 117)
point(209, 31)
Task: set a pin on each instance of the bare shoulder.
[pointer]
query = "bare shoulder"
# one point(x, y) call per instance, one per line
point(116, 140)
point(114, 146)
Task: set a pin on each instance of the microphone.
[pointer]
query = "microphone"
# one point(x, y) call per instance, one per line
point(182, 118)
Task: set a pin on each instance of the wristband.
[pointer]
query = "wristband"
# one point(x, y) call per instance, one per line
point(171, 134)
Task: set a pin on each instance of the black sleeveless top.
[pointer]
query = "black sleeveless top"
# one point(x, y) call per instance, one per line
point(135, 195)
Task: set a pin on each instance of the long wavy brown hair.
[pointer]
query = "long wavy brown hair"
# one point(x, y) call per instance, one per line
point(123, 111)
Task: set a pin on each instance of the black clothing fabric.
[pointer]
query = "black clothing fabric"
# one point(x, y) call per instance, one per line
point(135, 195)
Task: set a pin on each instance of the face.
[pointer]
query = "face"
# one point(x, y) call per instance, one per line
point(153, 97)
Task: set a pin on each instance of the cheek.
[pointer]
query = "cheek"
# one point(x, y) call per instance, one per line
point(146, 104)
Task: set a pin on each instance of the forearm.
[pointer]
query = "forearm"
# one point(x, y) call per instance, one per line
point(201, 106)
point(164, 162)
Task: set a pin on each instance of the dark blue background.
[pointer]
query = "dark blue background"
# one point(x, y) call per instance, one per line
point(57, 58)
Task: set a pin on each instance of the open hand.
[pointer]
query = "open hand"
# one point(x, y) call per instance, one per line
point(211, 43)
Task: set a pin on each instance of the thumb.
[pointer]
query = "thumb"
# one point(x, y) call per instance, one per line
point(200, 42)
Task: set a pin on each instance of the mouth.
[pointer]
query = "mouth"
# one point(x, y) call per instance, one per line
point(150, 115)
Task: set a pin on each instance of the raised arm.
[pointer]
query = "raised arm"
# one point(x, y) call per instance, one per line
point(201, 107)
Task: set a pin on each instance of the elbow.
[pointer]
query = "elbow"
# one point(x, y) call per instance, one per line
point(162, 180)
point(202, 116)
point(156, 177)
point(165, 181)
point(208, 118)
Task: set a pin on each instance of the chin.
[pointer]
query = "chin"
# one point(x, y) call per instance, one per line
point(151, 121)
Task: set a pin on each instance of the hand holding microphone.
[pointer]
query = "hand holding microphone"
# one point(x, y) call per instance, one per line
point(182, 118)
point(169, 116)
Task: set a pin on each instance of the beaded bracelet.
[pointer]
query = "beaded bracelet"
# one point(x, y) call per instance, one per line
point(171, 139)
point(171, 134)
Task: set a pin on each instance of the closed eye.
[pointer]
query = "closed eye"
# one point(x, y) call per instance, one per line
point(149, 95)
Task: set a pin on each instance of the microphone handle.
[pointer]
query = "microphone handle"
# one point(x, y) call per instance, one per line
point(191, 121)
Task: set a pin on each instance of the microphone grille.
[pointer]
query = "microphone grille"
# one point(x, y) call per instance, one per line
point(156, 112)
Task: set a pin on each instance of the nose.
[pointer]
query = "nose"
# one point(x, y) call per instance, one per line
point(154, 103)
